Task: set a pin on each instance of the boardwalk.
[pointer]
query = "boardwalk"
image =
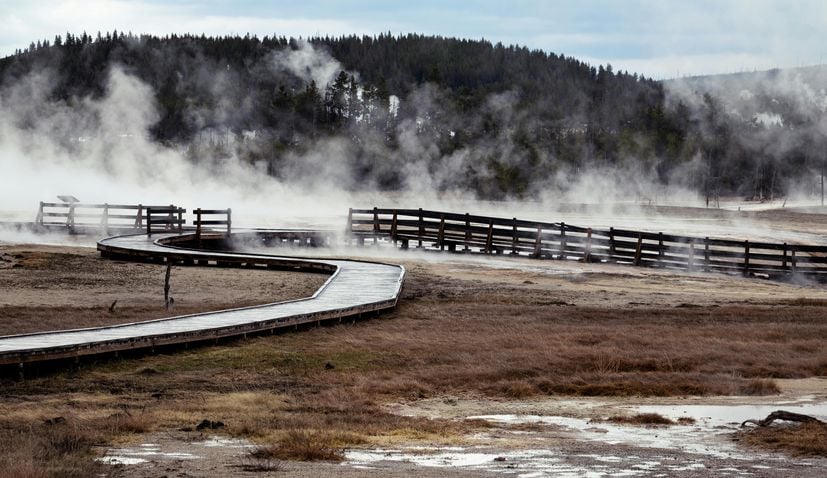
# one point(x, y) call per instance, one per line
point(353, 288)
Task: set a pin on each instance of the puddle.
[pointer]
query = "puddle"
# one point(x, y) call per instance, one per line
point(142, 454)
point(172, 451)
point(687, 438)
point(728, 415)
point(523, 463)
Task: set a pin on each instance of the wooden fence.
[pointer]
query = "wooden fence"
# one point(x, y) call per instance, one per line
point(79, 216)
point(494, 235)
point(169, 218)
point(200, 221)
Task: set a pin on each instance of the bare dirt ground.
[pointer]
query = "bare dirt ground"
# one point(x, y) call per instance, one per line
point(52, 287)
point(489, 366)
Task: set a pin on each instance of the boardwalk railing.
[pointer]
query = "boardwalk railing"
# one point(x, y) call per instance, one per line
point(495, 235)
point(200, 221)
point(88, 216)
point(169, 218)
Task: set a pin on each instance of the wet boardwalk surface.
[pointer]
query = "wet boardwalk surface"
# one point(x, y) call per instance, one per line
point(353, 288)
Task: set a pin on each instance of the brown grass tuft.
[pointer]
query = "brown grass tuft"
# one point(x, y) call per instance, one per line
point(800, 439)
point(303, 445)
point(642, 419)
point(759, 387)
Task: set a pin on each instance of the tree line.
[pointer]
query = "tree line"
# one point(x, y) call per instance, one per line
point(518, 118)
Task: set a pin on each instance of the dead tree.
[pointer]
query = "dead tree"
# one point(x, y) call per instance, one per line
point(782, 415)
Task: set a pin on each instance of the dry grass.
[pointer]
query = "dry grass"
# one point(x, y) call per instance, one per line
point(53, 289)
point(305, 445)
point(805, 439)
point(448, 337)
point(642, 419)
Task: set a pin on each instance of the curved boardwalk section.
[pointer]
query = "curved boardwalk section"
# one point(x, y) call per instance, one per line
point(353, 288)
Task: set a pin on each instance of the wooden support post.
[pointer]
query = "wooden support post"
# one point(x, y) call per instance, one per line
point(611, 244)
point(394, 227)
point(562, 254)
point(514, 239)
point(638, 249)
point(690, 261)
point(421, 228)
point(180, 219)
point(39, 219)
point(349, 227)
point(198, 226)
point(746, 258)
point(706, 254)
point(170, 217)
point(376, 227)
point(792, 259)
point(70, 218)
point(105, 217)
point(538, 243)
point(784, 257)
point(441, 235)
point(660, 248)
point(229, 221)
point(149, 221)
point(139, 218)
point(587, 254)
point(467, 231)
point(489, 240)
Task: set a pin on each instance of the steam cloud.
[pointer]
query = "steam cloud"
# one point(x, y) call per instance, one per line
point(100, 150)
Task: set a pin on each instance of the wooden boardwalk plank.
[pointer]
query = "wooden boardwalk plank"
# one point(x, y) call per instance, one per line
point(353, 288)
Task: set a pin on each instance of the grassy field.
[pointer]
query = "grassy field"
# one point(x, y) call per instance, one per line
point(460, 330)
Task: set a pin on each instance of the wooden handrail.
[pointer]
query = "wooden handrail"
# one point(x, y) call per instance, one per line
point(490, 234)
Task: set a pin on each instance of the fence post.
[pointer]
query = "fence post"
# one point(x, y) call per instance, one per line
point(489, 240)
point(514, 238)
point(467, 232)
point(562, 241)
point(421, 228)
point(198, 226)
point(149, 221)
point(792, 258)
point(784, 257)
point(349, 227)
point(441, 237)
point(105, 218)
point(538, 243)
point(587, 254)
point(180, 219)
point(611, 244)
point(139, 218)
point(376, 227)
point(394, 227)
point(638, 249)
point(690, 262)
point(170, 217)
point(706, 254)
point(39, 219)
point(660, 247)
point(229, 221)
point(70, 218)
point(746, 258)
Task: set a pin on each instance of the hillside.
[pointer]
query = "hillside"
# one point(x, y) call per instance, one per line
point(391, 111)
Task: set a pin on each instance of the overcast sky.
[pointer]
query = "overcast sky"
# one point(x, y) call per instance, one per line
point(661, 39)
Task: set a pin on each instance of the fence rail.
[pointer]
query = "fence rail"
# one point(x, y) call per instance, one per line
point(82, 217)
point(497, 235)
point(199, 221)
